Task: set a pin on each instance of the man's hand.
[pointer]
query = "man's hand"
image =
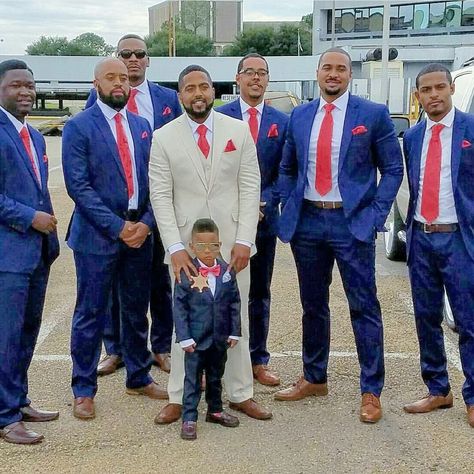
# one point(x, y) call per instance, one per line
point(189, 348)
point(232, 342)
point(261, 215)
point(44, 222)
point(137, 234)
point(126, 230)
point(181, 260)
point(239, 257)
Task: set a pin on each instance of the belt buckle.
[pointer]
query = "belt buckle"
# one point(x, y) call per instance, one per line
point(425, 228)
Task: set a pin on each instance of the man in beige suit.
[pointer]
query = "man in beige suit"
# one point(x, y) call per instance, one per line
point(204, 164)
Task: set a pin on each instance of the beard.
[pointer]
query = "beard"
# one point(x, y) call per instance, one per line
point(199, 114)
point(333, 91)
point(115, 102)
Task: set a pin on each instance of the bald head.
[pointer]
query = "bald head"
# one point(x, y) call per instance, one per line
point(111, 82)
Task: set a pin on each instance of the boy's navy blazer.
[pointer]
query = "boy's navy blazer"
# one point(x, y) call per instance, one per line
point(21, 195)
point(204, 317)
point(269, 153)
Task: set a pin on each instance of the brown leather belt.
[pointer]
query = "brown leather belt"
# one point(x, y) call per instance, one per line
point(433, 228)
point(325, 204)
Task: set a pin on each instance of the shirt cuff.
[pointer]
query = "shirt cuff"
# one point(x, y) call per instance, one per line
point(236, 338)
point(186, 343)
point(176, 248)
point(244, 242)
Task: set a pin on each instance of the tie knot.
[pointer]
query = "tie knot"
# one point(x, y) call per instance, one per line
point(24, 133)
point(118, 118)
point(133, 93)
point(436, 129)
point(329, 108)
point(253, 112)
point(202, 129)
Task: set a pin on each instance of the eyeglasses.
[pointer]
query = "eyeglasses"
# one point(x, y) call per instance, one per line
point(212, 246)
point(249, 72)
point(127, 53)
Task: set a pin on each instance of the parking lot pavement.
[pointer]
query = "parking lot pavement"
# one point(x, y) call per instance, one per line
point(313, 435)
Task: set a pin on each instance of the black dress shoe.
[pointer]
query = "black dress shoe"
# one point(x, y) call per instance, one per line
point(223, 418)
point(188, 430)
point(18, 433)
point(33, 415)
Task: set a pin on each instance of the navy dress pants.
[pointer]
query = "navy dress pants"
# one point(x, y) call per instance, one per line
point(438, 261)
point(95, 276)
point(322, 237)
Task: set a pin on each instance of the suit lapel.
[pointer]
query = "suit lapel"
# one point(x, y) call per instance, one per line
point(265, 125)
point(306, 127)
point(350, 121)
point(135, 131)
point(459, 127)
point(40, 153)
point(157, 106)
point(236, 111)
point(220, 137)
point(415, 162)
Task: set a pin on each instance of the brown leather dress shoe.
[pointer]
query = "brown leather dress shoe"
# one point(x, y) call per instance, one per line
point(18, 433)
point(162, 361)
point(264, 375)
point(168, 414)
point(84, 408)
point(302, 389)
point(223, 418)
point(109, 364)
point(470, 415)
point(251, 408)
point(430, 403)
point(33, 415)
point(370, 408)
point(188, 430)
point(151, 390)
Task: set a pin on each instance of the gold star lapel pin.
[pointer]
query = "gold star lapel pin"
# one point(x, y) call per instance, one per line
point(199, 282)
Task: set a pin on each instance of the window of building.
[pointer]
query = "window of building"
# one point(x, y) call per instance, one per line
point(437, 15)
point(405, 17)
point(361, 19)
point(421, 16)
point(376, 19)
point(394, 18)
point(453, 14)
point(348, 20)
point(467, 13)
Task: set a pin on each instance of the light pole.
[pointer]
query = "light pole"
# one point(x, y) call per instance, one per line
point(384, 89)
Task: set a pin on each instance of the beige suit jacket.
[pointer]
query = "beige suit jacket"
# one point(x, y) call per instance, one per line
point(180, 192)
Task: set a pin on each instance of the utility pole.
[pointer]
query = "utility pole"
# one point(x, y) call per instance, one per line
point(333, 24)
point(384, 89)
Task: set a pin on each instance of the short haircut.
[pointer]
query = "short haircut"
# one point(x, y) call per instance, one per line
point(250, 55)
point(129, 36)
point(189, 69)
point(434, 67)
point(11, 65)
point(336, 50)
point(205, 225)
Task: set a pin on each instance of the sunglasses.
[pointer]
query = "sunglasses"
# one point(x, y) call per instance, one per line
point(212, 246)
point(127, 53)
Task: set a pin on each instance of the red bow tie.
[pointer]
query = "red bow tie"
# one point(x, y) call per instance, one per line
point(215, 270)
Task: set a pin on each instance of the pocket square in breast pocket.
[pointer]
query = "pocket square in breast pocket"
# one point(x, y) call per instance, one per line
point(466, 144)
point(359, 130)
point(273, 131)
point(166, 111)
point(230, 146)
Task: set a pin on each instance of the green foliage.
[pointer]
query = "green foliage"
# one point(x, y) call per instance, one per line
point(86, 44)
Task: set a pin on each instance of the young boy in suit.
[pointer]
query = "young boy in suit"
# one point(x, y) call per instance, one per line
point(206, 313)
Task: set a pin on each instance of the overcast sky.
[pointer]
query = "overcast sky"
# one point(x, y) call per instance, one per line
point(24, 21)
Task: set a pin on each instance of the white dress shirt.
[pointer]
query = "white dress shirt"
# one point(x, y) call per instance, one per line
point(211, 281)
point(244, 107)
point(109, 114)
point(338, 115)
point(144, 103)
point(447, 208)
point(19, 125)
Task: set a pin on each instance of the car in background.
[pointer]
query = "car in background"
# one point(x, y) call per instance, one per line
point(395, 237)
point(284, 101)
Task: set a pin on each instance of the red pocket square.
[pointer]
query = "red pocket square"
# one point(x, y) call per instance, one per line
point(144, 134)
point(466, 144)
point(273, 131)
point(166, 111)
point(230, 146)
point(359, 130)
point(45, 158)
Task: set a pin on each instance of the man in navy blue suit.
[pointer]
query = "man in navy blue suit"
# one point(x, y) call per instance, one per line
point(439, 153)
point(105, 161)
point(268, 128)
point(332, 209)
point(159, 105)
point(28, 246)
point(206, 312)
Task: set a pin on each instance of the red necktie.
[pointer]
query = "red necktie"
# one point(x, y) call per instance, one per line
point(203, 144)
point(124, 153)
point(132, 103)
point(215, 270)
point(323, 152)
point(25, 138)
point(431, 178)
point(253, 123)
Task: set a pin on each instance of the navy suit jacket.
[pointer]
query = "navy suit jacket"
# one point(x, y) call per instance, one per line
point(462, 174)
point(20, 197)
point(269, 152)
point(166, 106)
point(96, 182)
point(365, 203)
point(204, 317)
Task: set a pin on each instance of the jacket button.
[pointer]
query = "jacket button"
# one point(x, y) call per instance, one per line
point(41, 203)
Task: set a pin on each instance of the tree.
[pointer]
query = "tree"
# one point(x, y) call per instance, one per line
point(287, 42)
point(195, 16)
point(255, 40)
point(86, 44)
